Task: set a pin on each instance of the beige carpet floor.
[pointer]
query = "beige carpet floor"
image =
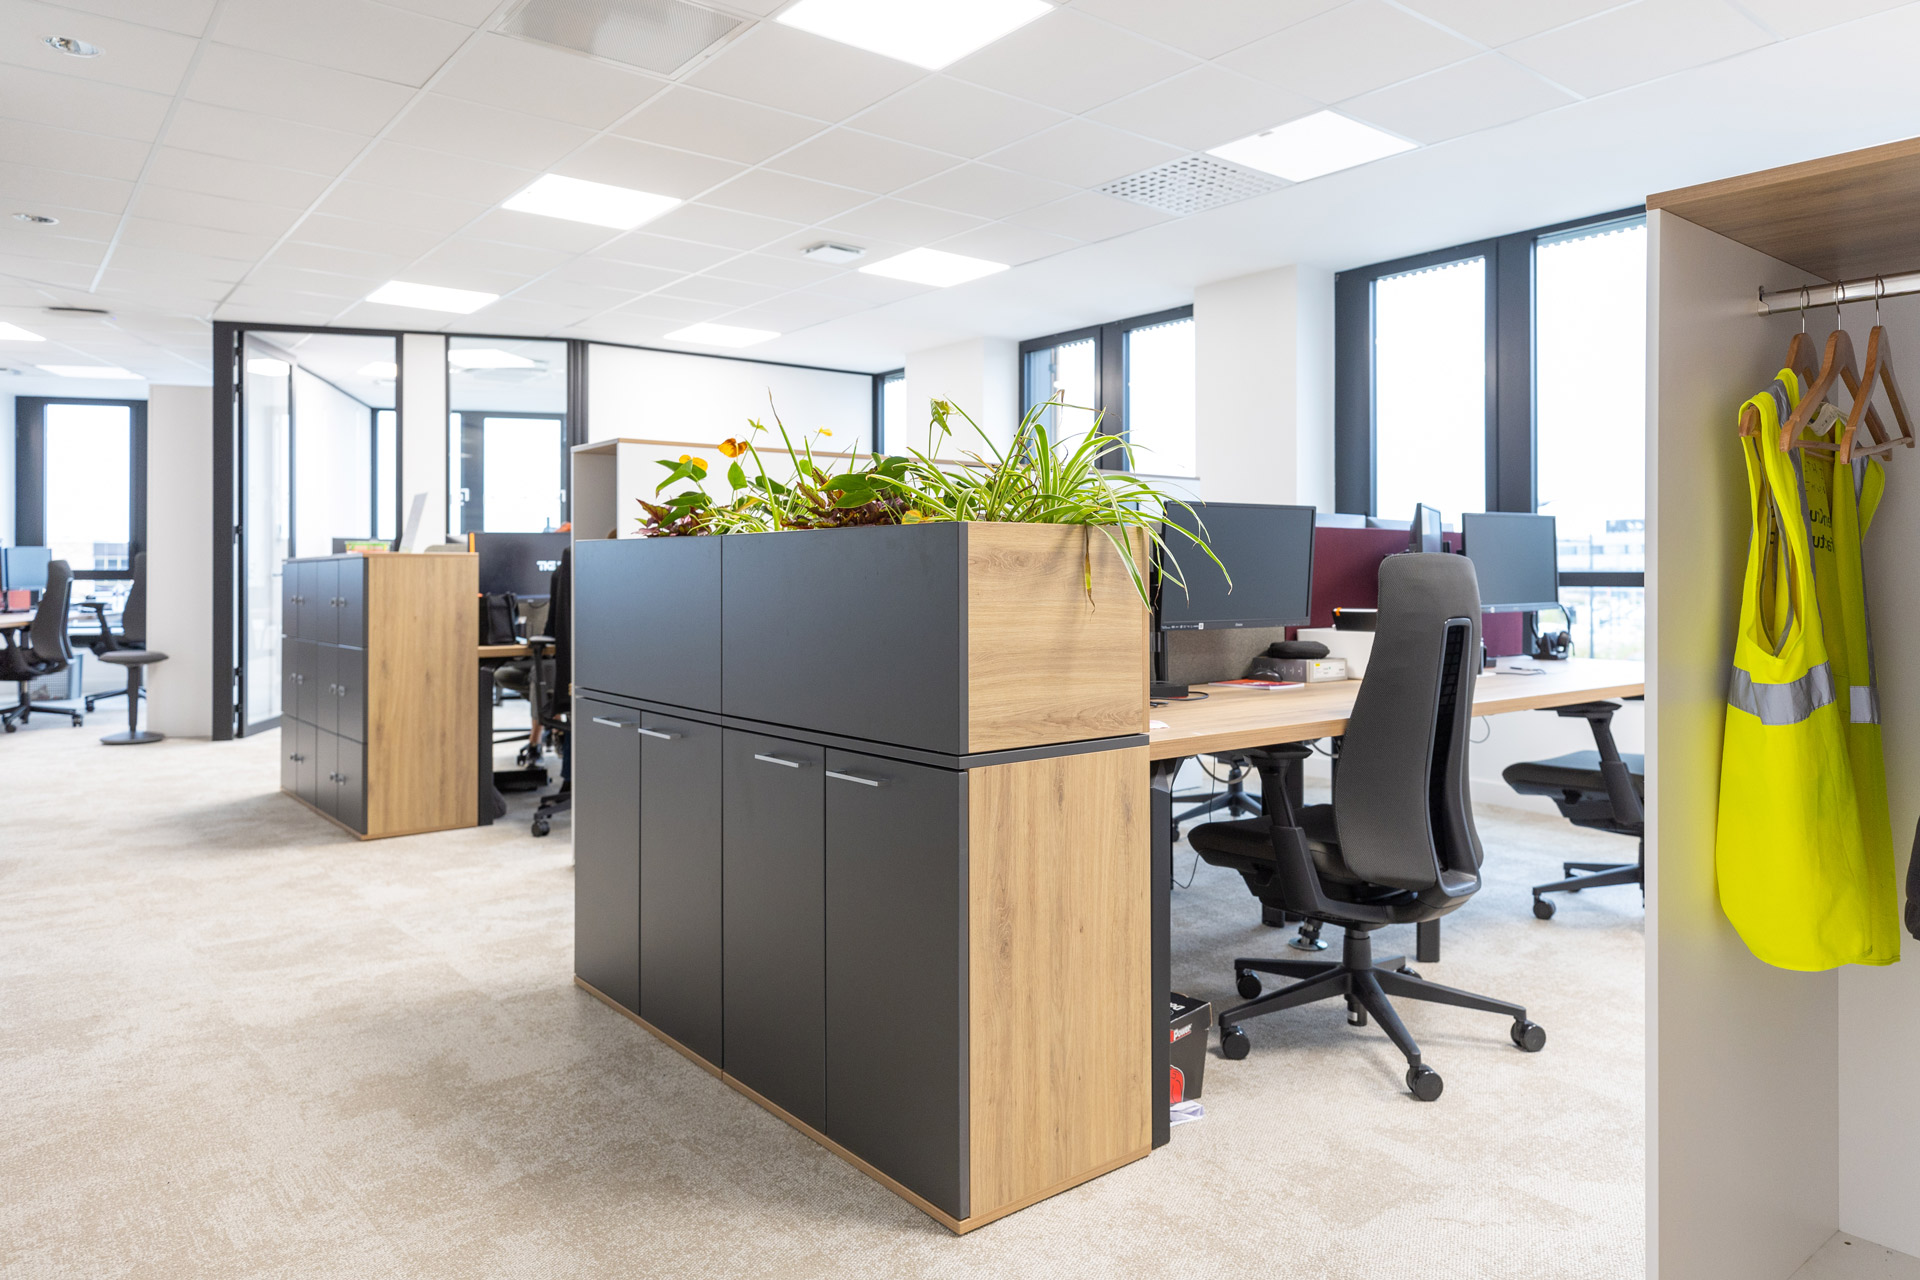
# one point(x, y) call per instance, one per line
point(234, 1042)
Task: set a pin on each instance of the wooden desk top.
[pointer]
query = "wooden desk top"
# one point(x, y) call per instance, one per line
point(1236, 719)
point(504, 651)
point(8, 621)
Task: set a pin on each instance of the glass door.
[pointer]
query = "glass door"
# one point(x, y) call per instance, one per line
point(266, 523)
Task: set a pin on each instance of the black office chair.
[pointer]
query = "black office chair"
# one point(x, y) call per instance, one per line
point(1601, 789)
point(552, 689)
point(519, 679)
point(1397, 845)
point(47, 651)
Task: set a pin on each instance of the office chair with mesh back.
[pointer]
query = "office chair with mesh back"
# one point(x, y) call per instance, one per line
point(1600, 789)
point(47, 651)
point(1397, 845)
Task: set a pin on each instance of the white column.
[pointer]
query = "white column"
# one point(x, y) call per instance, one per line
point(423, 431)
point(981, 376)
point(180, 560)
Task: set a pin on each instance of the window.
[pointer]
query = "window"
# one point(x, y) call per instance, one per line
point(386, 473)
point(889, 406)
point(1132, 378)
point(1510, 375)
point(507, 435)
point(80, 481)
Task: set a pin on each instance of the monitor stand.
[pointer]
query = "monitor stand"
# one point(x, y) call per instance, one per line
point(1168, 689)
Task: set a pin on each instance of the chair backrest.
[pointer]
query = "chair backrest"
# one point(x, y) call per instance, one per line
point(133, 618)
point(560, 627)
point(49, 627)
point(1400, 790)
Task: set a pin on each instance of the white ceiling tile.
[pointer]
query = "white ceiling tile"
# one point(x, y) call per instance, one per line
point(248, 81)
point(290, 302)
point(365, 237)
point(188, 17)
point(336, 260)
point(629, 276)
point(89, 153)
point(543, 81)
point(141, 257)
point(794, 311)
point(954, 116)
point(360, 36)
point(869, 291)
point(469, 13)
point(522, 319)
point(1790, 18)
point(1349, 50)
point(1088, 215)
point(1007, 242)
point(762, 190)
point(1469, 96)
point(275, 315)
point(375, 315)
point(861, 161)
point(214, 213)
point(67, 102)
point(732, 293)
point(776, 270)
point(1084, 154)
point(439, 123)
point(136, 56)
point(623, 328)
point(1498, 22)
point(1205, 107)
point(629, 162)
point(30, 186)
point(681, 310)
point(395, 164)
point(796, 71)
point(677, 255)
point(583, 297)
point(1210, 29)
point(74, 225)
point(322, 283)
point(370, 203)
point(1637, 43)
point(262, 139)
point(1070, 61)
point(984, 191)
point(210, 241)
point(509, 226)
point(76, 275)
point(223, 176)
point(520, 260)
point(716, 125)
point(900, 222)
point(479, 279)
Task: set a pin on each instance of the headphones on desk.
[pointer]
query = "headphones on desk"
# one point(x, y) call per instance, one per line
point(1555, 646)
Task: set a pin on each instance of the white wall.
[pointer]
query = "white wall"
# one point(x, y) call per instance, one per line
point(665, 395)
point(1744, 1079)
point(1264, 373)
point(6, 470)
point(981, 376)
point(180, 560)
point(332, 466)
point(423, 431)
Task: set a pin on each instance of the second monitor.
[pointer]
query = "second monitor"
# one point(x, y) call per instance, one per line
point(521, 563)
point(1516, 558)
point(1268, 550)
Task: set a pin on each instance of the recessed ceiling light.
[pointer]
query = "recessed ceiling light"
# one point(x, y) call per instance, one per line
point(1312, 146)
point(72, 48)
point(488, 358)
point(431, 297)
point(268, 367)
point(14, 333)
point(595, 203)
point(38, 219)
point(931, 266)
point(825, 252)
point(88, 371)
point(380, 371)
point(721, 335)
point(930, 34)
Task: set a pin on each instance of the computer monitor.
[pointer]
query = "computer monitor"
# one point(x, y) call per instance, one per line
point(1267, 549)
point(24, 568)
point(1516, 558)
point(522, 563)
point(1424, 533)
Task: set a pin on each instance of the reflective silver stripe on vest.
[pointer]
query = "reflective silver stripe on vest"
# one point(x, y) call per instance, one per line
point(1788, 703)
point(1863, 704)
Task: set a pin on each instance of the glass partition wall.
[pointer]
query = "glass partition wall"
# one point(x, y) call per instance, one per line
point(506, 435)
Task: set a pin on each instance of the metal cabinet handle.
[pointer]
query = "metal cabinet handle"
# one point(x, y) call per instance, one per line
point(661, 733)
point(854, 777)
point(296, 757)
point(615, 724)
point(779, 760)
point(339, 691)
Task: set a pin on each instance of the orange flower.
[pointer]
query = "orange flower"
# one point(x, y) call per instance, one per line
point(732, 448)
point(699, 464)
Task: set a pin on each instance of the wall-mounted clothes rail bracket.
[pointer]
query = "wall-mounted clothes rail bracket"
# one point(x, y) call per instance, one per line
point(1781, 301)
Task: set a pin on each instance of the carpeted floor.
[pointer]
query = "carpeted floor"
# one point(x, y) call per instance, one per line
point(234, 1042)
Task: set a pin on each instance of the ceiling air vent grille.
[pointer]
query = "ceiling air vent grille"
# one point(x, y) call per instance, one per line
point(661, 36)
point(1192, 185)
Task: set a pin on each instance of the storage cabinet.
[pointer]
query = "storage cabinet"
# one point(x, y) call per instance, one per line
point(653, 630)
point(606, 849)
point(380, 665)
point(680, 914)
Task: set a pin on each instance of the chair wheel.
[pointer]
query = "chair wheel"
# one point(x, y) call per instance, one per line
point(1234, 1043)
point(1543, 909)
point(1424, 1083)
point(1528, 1037)
point(541, 826)
point(1248, 985)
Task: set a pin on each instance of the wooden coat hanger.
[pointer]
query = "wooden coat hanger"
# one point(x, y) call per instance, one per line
point(1839, 366)
point(1800, 358)
point(1878, 372)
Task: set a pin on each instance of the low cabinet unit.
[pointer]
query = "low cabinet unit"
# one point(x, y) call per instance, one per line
point(378, 719)
point(606, 849)
point(680, 917)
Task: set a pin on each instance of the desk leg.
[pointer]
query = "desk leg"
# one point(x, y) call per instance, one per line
point(491, 805)
point(1162, 871)
point(1426, 947)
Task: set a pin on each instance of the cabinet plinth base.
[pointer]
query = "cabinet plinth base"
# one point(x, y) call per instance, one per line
point(311, 807)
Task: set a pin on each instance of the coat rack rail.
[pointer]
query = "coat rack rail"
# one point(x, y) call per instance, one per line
point(1780, 301)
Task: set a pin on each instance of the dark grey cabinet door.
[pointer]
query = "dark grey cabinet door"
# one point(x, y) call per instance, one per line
point(350, 783)
point(680, 860)
point(775, 922)
point(606, 850)
point(647, 623)
point(351, 598)
point(295, 660)
point(290, 599)
point(319, 585)
point(350, 692)
point(326, 681)
point(896, 971)
point(308, 773)
point(327, 763)
point(289, 755)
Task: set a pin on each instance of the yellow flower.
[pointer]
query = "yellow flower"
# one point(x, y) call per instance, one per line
point(699, 464)
point(732, 448)
point(912, 517)
point(825, 432)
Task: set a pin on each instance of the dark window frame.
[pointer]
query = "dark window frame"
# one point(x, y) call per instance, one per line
point(1110, 369)
point(30, 477)
point(1511, 457)
point(472, 420)
point(880, 381)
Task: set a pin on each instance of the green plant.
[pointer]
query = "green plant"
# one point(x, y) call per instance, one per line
point(1034, 480)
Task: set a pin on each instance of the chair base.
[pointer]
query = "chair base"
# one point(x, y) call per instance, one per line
point(1594, 875)
point(560, 801)
point(133, 739)
point(15, 716)
point(1366, 984)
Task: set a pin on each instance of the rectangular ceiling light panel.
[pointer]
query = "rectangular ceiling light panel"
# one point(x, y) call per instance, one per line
point(1312, 147)
point(87, 371)
point(14, 333)
point(431, 297)
point(721, 335)
point(933, 267)
point(926, 33)
point(595, 203)
point(660, 36)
